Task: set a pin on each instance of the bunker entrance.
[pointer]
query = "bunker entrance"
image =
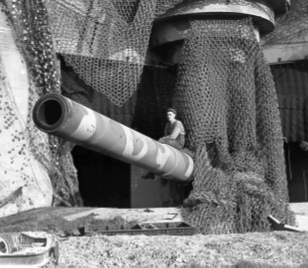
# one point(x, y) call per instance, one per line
point(103, 181)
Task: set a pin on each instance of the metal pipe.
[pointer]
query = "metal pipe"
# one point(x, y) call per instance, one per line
point(57, 115)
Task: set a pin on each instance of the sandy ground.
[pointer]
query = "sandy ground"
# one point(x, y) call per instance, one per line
point(275, 249)
point(272, 249)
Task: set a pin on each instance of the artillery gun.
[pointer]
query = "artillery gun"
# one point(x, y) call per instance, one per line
point(57, 115)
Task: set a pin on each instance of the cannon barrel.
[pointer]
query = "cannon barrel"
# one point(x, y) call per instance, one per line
point(57, 115)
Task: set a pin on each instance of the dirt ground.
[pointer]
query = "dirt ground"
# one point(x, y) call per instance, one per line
point(275, 249)
point(272, 249)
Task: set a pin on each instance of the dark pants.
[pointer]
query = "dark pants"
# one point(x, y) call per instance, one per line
point(173, 143)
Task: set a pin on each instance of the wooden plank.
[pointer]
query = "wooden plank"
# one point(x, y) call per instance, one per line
point(139, 215)
point(67, 220)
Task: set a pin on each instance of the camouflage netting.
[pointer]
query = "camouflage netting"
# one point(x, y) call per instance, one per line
point(224, 94)
point(34, 40)
point(226, 97)
point(106, 41)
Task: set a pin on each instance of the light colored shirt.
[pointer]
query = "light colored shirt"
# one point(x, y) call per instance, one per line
point(174, 129)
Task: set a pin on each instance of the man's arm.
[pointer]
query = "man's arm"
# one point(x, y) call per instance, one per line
point(175, 132)
point(165, 131)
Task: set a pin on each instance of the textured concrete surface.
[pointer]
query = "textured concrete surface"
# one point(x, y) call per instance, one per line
point(301, 212)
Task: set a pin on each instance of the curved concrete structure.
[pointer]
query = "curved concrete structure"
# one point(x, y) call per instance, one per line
point(62, 117)
point(169, 28)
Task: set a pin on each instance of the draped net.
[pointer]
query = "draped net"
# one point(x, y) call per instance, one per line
point(224, 93)
point(226, 98)
point(106, 41)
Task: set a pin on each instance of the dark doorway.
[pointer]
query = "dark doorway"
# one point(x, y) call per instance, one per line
point(297, 171)
point(103, 181)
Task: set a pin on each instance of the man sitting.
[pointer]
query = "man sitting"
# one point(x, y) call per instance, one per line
point(174, 135)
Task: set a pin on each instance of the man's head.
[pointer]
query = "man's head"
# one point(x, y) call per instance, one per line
point(171, 114)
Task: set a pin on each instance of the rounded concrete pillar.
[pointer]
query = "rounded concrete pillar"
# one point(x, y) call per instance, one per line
point(169, 29)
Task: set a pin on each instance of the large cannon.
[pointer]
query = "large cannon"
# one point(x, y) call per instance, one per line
point(57, 115)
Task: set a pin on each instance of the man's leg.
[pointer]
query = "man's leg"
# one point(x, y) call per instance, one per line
point(173, 143)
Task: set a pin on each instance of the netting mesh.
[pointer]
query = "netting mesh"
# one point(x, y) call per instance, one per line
point(226, 98)
point(29, 21)
point(106, 41)
point(224, 94)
